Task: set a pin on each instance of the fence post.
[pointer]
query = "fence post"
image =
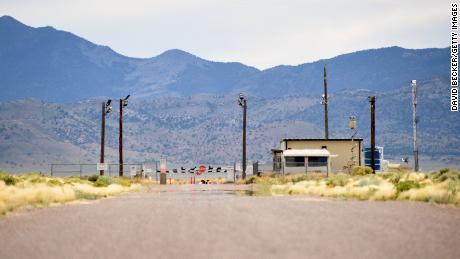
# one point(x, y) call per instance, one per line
point(52, 169)
point(81, 168)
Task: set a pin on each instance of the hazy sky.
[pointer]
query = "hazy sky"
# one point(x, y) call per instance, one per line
point(261, 33)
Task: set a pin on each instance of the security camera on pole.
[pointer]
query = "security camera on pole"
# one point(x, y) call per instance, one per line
point(123, 103)
point(372, 102)
point(324, 101)
point(414, 124)
point(243, 103)
point(106, 108)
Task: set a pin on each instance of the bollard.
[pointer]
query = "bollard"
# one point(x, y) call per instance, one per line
point(162, 178)
point(169, 180)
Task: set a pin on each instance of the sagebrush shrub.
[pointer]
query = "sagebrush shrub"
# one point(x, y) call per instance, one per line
point(406, 185)
point(8, 179)
point(103, 181)
point(361, 170)
point(93, 178)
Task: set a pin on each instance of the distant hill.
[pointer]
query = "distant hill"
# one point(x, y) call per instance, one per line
point(375, 69)
point(53, 65)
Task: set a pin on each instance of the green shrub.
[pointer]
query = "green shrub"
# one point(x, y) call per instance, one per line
point(361, 170)
point(8, 179)
point(84, 195)
point(54, 182)
point(368, 180)
point(93, 178)
point(406, 185)
point(37, 179)
point(394, 178)
point(445, 174)
point(338, 180)
point(103, 181)
point(122, 182)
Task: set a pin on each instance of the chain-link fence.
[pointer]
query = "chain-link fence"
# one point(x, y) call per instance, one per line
point(91, 169)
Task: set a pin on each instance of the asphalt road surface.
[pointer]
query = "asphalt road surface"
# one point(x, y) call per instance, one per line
point(213, 222)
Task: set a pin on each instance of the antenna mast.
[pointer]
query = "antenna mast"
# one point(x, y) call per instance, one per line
point(414, 123)
point(324, 102)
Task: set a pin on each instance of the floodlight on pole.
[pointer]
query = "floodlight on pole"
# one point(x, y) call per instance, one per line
point(324, 101)
point(243, 103)
point(123, 103)
point(372, 103)
point(106, 108)
point(414, 124)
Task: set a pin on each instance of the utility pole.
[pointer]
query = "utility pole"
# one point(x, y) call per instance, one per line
point(372, 102)
point(105, 110)
point(324, 102)
point(414, 123)
point(123, 103)
point(243, 103)
point(352, 126)
point(120, 141)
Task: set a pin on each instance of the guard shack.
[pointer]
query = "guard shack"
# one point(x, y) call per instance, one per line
point(316, 155)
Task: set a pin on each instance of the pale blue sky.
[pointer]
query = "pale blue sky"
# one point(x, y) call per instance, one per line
point(260, 33)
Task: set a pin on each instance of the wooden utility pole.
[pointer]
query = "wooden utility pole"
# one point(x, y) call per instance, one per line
point(372, 102)
point(243, 103)
point(101, 160)
point(123, 103)
point(325, 101)
point(244, 139)
point(120, 140)
point(414, 123)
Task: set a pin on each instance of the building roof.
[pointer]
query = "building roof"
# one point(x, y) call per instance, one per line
point(306, 152)
point(320, 139)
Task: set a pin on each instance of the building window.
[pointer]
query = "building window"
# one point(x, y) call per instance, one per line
point(316, 161)
point(295, 161)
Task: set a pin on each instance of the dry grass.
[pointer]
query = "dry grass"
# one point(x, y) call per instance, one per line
point(439, 187)
point(38, 191)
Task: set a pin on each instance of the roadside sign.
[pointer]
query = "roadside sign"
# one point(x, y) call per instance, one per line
point(163, 167)
point(102, 166)
point(133, 169)
point(201, 169)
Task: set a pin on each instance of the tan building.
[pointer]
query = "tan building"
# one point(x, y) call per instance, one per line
point(310, 155)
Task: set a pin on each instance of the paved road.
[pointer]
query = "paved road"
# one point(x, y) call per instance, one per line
point(213, 222)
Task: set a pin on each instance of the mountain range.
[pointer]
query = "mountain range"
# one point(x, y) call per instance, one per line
point(58, 66)
point(184, 107)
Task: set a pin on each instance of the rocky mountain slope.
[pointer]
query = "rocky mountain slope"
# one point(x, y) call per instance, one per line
point(207, 128)
point(58, 66)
